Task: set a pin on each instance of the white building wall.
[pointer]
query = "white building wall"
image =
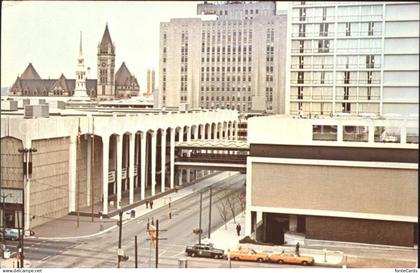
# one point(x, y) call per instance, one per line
point(223, 85)
point(386, 31)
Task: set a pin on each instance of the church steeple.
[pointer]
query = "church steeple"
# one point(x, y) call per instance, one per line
point(106, 67)
point(80, 91)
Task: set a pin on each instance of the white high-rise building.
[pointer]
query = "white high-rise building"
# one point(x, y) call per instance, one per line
point(353, 57)
point(232, 57)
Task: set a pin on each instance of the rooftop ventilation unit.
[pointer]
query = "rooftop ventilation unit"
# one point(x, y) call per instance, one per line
point(37, 111)
point(9, 105)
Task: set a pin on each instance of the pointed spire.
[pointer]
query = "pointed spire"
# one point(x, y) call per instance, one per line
point(80, 48)
point(106, 38)
point(30, 73)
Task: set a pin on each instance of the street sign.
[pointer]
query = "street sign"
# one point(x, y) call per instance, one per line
point(120, 252)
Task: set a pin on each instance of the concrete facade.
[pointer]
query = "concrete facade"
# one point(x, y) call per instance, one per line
point(126, 159)
point(362, 188)
point(353, 57)
point(232, 57)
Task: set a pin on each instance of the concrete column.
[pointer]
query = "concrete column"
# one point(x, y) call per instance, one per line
point(72, 173)
point(195, 133)
point(172, 155)
point(131, 150)
point(209, 132)
point(214, 131)
point(105, 173)
point(88, 169)
point(227, 131)
point(119, 168)
point(248, 222)
point(340, 133)
point(403, 135)
point(143, 165)
point(203, 131)
point(180, 177)
point(188, 133)
point(221, 125)
point(181, 135)
point(189, 139)
point(181, 139)
point(163, 158)
point(236, 130)
point(371, 134)
point(153, 169)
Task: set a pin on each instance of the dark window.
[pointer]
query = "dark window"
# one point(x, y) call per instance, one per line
point(348, 29)
point(301, 30)
point(371, 28)
point(302, 14)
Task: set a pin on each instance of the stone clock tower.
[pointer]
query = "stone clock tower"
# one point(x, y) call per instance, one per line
point(106, 67)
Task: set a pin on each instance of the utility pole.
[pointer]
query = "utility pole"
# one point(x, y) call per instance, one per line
point(135, 251)
point(119, 238)
point(27, 175)
point(19, 248)
point(157, 244)
point(211, 193)
point(78, 178)
point(199, 223)
point(92, 164)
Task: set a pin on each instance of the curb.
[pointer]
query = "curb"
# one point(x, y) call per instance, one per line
point(124, 221)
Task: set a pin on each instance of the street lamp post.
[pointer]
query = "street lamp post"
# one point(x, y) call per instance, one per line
point(27, 175)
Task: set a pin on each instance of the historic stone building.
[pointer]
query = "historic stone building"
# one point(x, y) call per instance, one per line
point(108, 84)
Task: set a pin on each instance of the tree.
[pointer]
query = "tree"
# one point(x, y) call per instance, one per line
point(231, 202)
point(240, 197)
point(222, 207)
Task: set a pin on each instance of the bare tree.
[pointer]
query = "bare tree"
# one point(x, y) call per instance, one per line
point(231, 202)
point(222, 207)
point(240, 197)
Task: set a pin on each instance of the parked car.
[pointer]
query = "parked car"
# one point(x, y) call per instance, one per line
point(291, 258)
point(204, 250)
point(248, 254)
point(10, 234)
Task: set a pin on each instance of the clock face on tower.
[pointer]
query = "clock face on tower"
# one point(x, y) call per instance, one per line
point(103, 64)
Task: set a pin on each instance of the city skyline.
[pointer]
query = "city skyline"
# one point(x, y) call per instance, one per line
point(134, 27)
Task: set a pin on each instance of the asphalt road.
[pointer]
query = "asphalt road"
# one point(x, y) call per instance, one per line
point(101, 251)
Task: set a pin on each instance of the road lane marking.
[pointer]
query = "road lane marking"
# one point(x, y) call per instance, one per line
point(44, 259)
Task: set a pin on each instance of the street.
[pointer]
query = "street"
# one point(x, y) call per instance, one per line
point(101, 251)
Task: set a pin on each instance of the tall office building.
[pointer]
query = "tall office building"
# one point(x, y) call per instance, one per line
point(353, 57)
point(150, 81)
point(232, 57)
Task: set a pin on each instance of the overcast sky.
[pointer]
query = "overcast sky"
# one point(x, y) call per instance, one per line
point(47, 34)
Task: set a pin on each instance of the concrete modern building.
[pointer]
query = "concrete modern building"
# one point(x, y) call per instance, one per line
point(108, 85)
point(353, 57)
point(231, 57)
point(352, 179)
point(111, 158)
point(150, 82)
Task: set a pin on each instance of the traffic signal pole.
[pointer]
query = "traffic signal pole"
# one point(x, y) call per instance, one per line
point(210, 211)
point(157, 244)
point(199, 223)
point(119, 238)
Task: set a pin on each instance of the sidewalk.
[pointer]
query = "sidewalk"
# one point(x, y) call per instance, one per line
point(56, 230)
point(360, 256)
point(12, 263)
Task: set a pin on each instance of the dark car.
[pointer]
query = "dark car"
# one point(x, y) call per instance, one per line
point(204, 250)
